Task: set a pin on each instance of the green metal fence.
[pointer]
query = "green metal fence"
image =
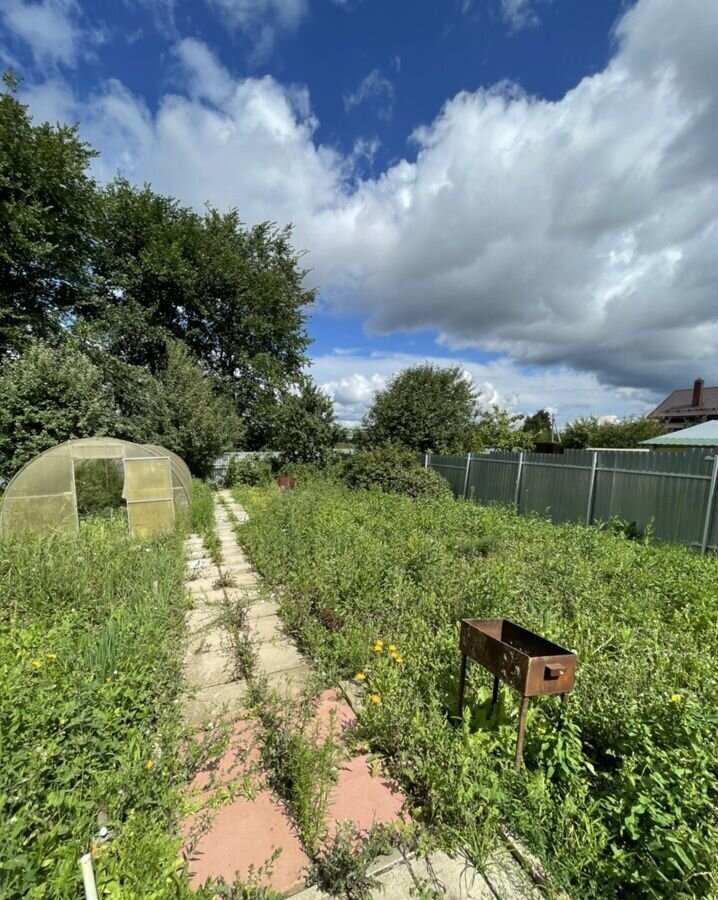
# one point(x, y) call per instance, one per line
point(674, 493)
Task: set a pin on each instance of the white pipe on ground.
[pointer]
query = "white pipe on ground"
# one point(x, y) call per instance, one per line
point(88, 877)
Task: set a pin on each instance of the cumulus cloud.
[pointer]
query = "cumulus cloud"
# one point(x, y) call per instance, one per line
point(352, 379)
point(376, 90)
point(576, 234)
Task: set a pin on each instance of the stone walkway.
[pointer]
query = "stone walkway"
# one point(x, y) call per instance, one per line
point(238, 826)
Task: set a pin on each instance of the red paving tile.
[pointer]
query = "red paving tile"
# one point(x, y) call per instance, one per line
point(243, 837)
point(362, 798)
point(239, 759)
point(331, 701)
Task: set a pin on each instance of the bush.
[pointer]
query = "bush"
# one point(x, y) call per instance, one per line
point(251, 471)
point(393, 470)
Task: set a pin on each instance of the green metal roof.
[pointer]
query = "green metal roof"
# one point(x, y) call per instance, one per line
point(703, 435)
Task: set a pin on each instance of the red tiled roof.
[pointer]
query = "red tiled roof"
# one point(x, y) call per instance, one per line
point(679, 403)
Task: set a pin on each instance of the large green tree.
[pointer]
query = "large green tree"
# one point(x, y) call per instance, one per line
point(424, 408)
point(47, 205)
point(234, 295)
point(590, 431)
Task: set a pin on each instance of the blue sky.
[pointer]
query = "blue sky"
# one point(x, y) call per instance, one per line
point(525, 187)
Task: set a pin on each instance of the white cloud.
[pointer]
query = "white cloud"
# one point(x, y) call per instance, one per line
point(518, 14)
point(376, 90)
point(576, 234)
point(352, 379)
point(50, 28)
point(262, 21)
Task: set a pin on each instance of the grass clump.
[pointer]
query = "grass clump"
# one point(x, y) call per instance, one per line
point(618, 794)
point(203, 521)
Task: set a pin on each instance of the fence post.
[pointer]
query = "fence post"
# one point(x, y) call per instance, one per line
point(466, 474)
point(517, 492)
point(426, 460)
point(709, 505)
point(592, 488)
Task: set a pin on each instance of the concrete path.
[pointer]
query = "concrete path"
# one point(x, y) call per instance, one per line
point(251, 834)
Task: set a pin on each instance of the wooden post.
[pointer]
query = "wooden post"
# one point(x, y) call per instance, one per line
point(591, 488)
point(466, 474)
point(517, 493)
point(710, 505)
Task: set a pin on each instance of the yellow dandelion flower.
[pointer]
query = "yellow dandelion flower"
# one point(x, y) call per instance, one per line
point(675, 698)
point(63, 721)
point(149, 764)
point(37, 663)
point(360, 676)
point(378, 646)
point(51, 655)
point(375, 699)
point(392, 648)
point(398, 659)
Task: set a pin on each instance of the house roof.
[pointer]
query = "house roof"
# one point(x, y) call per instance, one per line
point(703, 435)
point(679, 403)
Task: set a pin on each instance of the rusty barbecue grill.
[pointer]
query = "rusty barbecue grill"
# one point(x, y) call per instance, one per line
point(520, 658)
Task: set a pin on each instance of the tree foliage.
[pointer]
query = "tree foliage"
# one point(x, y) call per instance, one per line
point(540, 425)
point(306, 430)
point(498, 429)
point(46, 217)
point(49, 395)
point(591, 431)
point(424, 408)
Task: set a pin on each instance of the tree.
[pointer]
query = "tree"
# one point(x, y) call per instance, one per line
point(591, 431)
point(201, 422)
point(540, 425)
point(306, 429)
point(498, 429)
point(46, 220)
point(233, 295)
point(425, 408)
point(47, 396)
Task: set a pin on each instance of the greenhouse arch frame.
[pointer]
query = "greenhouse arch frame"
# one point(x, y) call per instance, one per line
point(157, 486)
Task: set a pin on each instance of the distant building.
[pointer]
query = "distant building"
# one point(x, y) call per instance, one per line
point(688, 406)
point(703, 435)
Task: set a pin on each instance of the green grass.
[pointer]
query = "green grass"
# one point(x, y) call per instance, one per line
point(203, 521)
point(90, 728)
point(619, 792)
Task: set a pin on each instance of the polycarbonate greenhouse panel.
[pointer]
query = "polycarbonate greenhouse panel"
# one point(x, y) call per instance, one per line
point(149, 496)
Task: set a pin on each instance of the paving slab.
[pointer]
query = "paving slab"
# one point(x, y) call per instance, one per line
point(278, 656)
point(261, 608)
point(289, 683)
point(205, 582)
point(209, 666)
point(243, 837)
point(213, 702)
point(265, 628)
point(201, 618)
point(363, 798)
point(239, 762)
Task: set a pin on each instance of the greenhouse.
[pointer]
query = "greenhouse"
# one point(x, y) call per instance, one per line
point(54, 489)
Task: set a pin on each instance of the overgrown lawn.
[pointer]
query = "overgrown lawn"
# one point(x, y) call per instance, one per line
point(619, 791)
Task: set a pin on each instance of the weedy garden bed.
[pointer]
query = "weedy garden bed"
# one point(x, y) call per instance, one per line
point(91, 630)
point(619, 791)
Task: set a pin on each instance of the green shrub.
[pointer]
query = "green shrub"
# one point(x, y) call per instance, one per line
point(98, 486)
point(250, 470)
point(393, 470)
point(619, 789)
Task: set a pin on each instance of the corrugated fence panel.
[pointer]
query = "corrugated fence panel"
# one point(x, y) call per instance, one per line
point(556, 486)
point(671, 489)
point(492, 477)
point(453, 468)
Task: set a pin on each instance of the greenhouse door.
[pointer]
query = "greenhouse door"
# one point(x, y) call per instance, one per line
point(148, 493)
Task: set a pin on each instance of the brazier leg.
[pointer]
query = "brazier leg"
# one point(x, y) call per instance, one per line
point(523, 710)
point(495, 693)
point(462, 684)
